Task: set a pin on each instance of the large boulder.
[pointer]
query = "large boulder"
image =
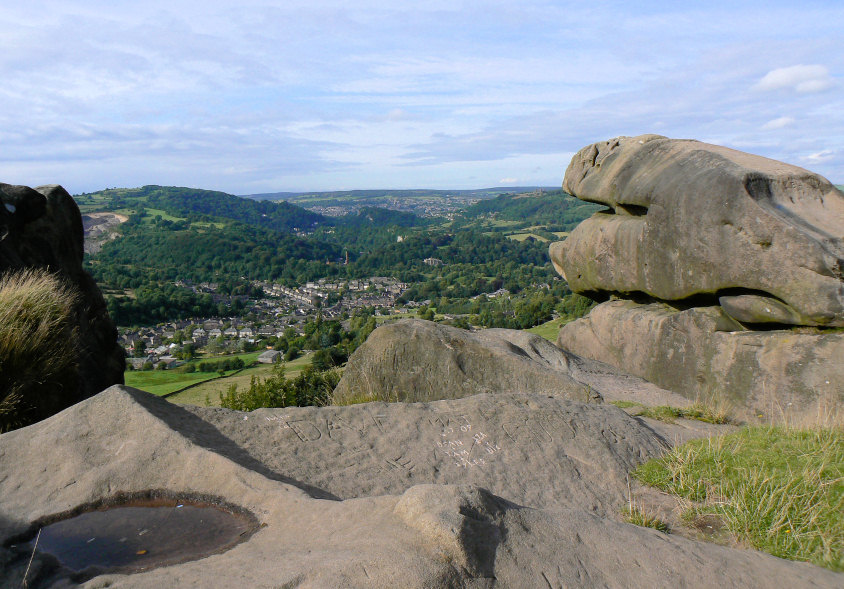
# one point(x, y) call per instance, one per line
point(42, 229)
point(416, 360)
point(690, 219)
point(705, 355)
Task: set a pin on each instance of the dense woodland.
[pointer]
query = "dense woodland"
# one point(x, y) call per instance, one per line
point(206, 236)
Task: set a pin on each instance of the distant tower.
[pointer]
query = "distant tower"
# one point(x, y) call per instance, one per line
point(346, 263)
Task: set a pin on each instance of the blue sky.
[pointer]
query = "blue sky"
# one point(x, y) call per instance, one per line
point(252, 97)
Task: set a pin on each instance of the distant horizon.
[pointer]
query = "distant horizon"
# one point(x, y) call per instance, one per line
point(393, 188)
point(838, 185)
point(321, 95)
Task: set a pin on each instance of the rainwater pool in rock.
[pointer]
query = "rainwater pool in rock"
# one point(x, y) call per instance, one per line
point(143, 534)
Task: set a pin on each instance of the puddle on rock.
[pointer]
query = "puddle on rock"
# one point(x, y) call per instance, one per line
point(141, 534)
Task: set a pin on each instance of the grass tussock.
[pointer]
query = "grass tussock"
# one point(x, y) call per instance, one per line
point(633, 514)
point(709, 413)
point(779, 489)
point(37, 347)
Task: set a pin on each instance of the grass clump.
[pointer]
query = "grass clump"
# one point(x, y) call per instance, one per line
point(633, 514)
point(698, 411)
point(38, 356)
point(780, 490)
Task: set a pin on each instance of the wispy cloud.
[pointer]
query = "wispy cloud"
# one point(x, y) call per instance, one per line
point(319, 95)
point(778, 123)
point(802, 78)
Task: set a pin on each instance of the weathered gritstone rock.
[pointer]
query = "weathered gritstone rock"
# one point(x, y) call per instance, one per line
point(416, 360)
point(530, 449)
point(689, 218)
point(42, 228)
point(703, 354)
point(429, 535)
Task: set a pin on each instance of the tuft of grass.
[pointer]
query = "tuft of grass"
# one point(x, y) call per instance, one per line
point(633, 514)
point(780, 490)
point(698, 411)
point(626, 404)
point(38, 356)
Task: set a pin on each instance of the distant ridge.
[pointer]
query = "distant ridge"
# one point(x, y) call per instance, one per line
point(491, 192)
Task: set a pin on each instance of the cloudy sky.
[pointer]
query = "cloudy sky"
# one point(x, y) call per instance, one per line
point(267, 96)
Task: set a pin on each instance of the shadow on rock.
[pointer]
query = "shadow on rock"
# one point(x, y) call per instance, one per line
point(209, 437)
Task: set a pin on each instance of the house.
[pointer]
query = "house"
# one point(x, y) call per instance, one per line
point(270, 357)
point(211, 325)
point(170, 362)
point(230, 332)
point(246, 332)
point(138, 363)
point(214, 333)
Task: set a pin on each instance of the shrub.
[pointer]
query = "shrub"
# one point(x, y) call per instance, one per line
point(38, 363)
point(310, 387)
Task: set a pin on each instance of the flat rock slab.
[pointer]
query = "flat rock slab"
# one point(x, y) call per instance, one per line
point(420, 535)
point(532, 450)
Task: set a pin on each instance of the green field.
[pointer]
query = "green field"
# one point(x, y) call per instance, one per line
point(210, 390)
point(549, 329)
point(163, 382)
point(163, 214)
point(524, 236)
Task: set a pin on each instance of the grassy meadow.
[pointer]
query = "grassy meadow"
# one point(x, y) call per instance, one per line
point(549, 329)
point(208, 392)
point(165, 382)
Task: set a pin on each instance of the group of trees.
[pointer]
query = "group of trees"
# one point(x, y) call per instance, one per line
point(527, 309)
point(207, 236)
point(556, 209)
point(309, 387)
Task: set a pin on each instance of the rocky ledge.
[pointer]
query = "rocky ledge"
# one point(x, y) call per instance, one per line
point(728, 270)
point(500, 490)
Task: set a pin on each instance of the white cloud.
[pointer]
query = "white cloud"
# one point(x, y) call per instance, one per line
point(308, 95)
point(819, 157)
point(508, 181)
point(802, 78)
point(778, 123)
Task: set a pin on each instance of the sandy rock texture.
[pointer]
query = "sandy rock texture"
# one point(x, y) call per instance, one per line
point(416, 360)
point(437, 526)
point(688, 218)
point(693, 351)
point(42, 228)
point(713, 254)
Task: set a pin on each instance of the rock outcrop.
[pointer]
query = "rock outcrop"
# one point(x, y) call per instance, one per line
point(706, 246)
point(687, 219)
point(42, 229)
point(416, 516)
point(416, 360)
point(771, 373)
